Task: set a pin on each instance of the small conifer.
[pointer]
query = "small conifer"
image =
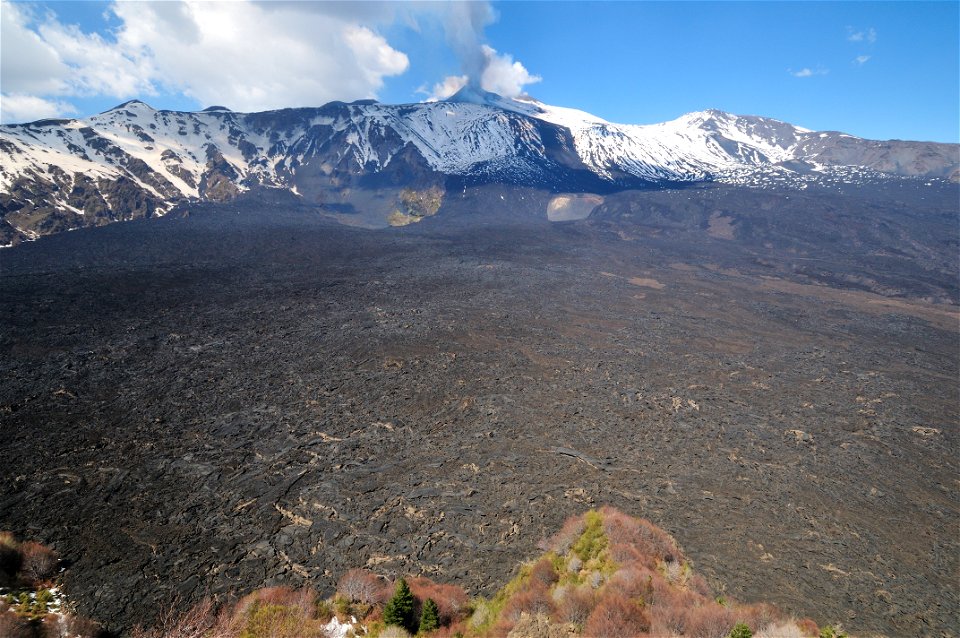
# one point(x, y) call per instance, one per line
point(399, 609)
point(430, 617)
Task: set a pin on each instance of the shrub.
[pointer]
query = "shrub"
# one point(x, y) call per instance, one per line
point(300, 600)
point(12, 626)
point(543, 572)
point(759, 615)
point(324, 611)
point(576, 605)
point(342, 607)
point(563, 540)
point(38, 562)
point(616, 617)
point(669, 607)
point(534, 600)
point(808, 627)
point(624, 554)
point(362, 586)
point(709, 621)
point(399, 609)
point(700, 585)
point(634, 581)
point(451, 600)
point(199, 622)
point(832, 632)
point(268, 620)
point(593, 540)
point(781, 630)
point(430, 617)
point(649, 539)
point(740, 630)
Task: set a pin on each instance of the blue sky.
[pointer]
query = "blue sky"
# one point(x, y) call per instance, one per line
point(876, 70)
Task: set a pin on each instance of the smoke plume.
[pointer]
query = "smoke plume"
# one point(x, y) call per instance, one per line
point(481, 65)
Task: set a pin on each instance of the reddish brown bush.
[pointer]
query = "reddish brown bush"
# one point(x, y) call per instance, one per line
point(665, 594)
point(808, 627)
point(758, 616)
point(534, 600)
point(649, 539)
point(700, 585)
point(634, 581)
point(617, 617)
point(363, 586)
point(502, 627)
point(576, 605)
point(451, 600)
point(668, 608)
point(563, 540)
point(625, 554)
point(201, 621)
point(455, 630)
point(544, 573)
point(38, 562)
point(709, 621)
point(12, 626)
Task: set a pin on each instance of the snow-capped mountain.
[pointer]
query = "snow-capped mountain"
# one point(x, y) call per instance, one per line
point(134, 161)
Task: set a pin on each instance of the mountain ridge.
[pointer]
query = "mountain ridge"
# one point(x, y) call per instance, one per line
point(136, 161)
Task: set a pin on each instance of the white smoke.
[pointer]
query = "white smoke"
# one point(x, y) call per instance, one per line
point(464, 25)
point(481, 65)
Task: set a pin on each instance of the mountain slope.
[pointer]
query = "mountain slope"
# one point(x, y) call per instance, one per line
point(134, 161)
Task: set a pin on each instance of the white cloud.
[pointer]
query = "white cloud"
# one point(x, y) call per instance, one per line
point(244, 54)
point(27, 108)
point(28, 64)
point(445, 88)
point(503, 75)
point(375, 57)
point(259, 56)
point(807, 72)
point(97, 67)
point(862, 35)
point(247, 55)
point(860, 60)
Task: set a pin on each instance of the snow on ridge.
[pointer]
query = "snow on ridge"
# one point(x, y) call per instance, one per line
point(688, 147)
point(466, 133)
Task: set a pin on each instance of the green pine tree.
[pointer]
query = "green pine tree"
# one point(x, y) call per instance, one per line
point(430, 616)
point(399, 609)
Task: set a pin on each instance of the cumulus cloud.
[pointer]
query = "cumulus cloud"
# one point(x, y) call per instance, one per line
point(807, 72)
point(27, 108)
point(860, 60)
point(244, 54)
point(28, 64)
point(862, 35)
point(254, 57)
point(249, 56)
point(503, 75)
